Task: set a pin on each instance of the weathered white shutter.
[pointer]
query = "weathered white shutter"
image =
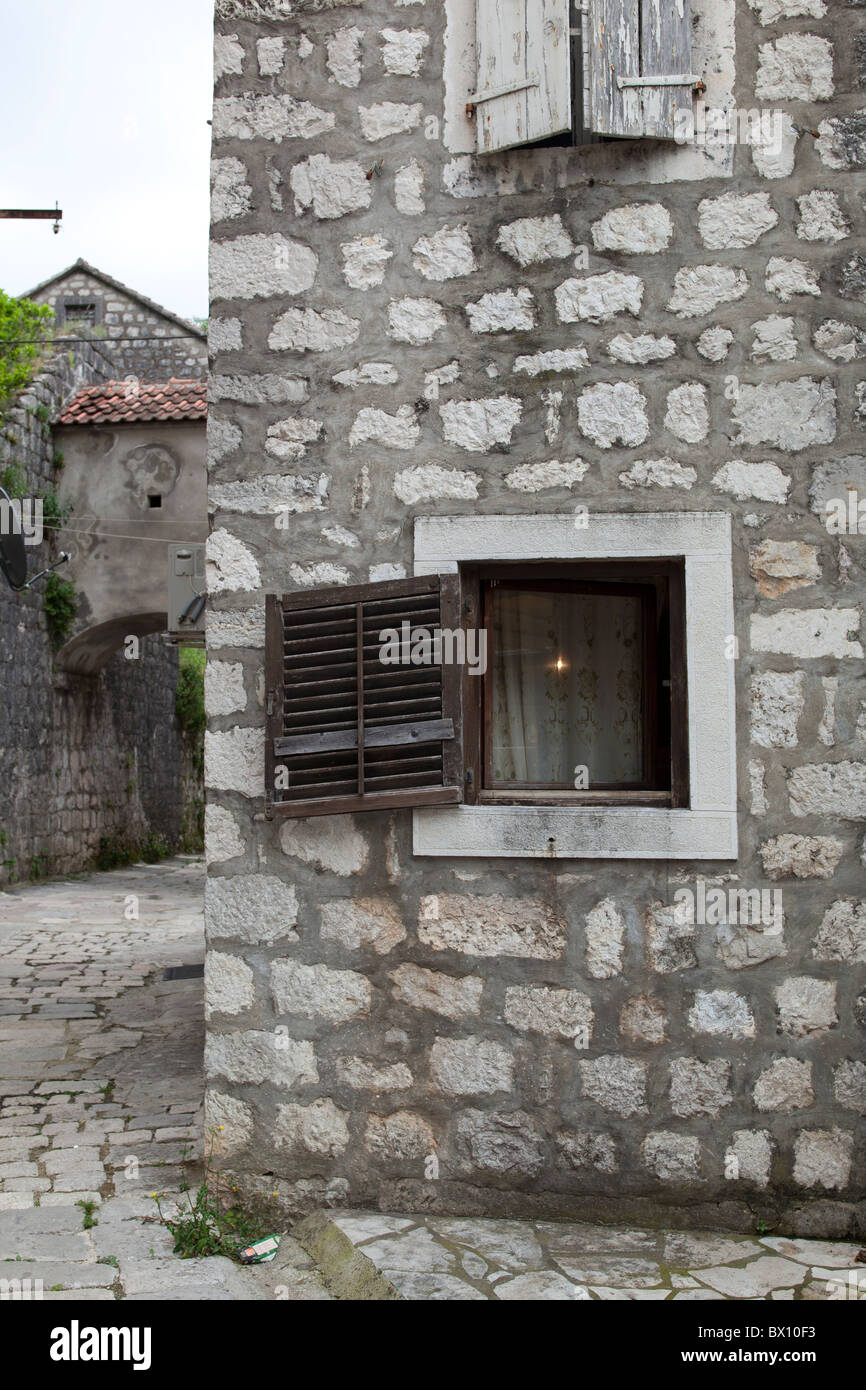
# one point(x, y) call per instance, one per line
point(614, 52)
point(635, 48)
point(524, 72)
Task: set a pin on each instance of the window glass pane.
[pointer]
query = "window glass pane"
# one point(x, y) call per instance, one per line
point(567, 687)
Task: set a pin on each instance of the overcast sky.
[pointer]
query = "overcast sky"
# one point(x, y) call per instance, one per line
point(104, 107)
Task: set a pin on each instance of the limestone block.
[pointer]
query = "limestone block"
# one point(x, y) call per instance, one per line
point(805, 1005)
point(785, 1085)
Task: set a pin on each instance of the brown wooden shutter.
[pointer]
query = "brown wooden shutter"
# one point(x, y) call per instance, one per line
point(352, 733)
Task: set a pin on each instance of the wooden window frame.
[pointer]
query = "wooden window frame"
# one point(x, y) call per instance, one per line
point(476, 588)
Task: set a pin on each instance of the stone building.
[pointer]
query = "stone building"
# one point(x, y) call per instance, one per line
point(515, 344)
point(94, 762)
point(144, 339)
point(137, 457)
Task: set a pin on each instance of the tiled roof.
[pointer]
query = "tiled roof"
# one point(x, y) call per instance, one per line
point(129, 402)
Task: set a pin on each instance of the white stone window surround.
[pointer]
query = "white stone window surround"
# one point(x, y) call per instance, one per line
point(708, 828)
point(653, 161)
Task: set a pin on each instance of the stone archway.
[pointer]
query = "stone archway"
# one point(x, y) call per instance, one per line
point(88, 651)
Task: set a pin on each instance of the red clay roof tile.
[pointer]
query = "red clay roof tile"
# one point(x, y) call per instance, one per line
point(131, 402)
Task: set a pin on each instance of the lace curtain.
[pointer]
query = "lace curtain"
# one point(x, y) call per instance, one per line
point(567, 687)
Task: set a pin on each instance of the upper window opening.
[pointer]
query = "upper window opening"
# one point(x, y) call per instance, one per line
point(80, 312)
point(564, 72)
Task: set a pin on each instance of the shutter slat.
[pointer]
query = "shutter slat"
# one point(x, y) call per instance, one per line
point(306, 790)
point(397, 780)
point(292, 730)
point(351, 732)
point(417, 733)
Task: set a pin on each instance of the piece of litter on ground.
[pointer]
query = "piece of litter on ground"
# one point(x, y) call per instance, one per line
point(261, 1253)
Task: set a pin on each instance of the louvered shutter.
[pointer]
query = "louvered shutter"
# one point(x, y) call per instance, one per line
point(524, 72)
point(346, 732)
point(645, 43)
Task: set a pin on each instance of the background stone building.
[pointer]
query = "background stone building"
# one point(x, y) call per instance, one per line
point(94, 763)
point(438, 353)
point(144, 339)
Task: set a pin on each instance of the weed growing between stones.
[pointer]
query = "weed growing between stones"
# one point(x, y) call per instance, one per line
point(13, 481)
point(112, 855)
point(189, 699)
point(88, 1207)
point(61, 605)
point(55, 514)
point(207, 1226)
point(116, 854)
point(155, 848)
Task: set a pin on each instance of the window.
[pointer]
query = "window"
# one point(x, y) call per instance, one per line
point(80, 313)
point(154, 499)
point(561, 71)
point(577, 704)
point(697, 819)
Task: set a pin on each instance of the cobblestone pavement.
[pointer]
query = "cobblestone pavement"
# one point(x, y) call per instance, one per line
point(100, 1102)
point(101, 1087)
point(435, 1258)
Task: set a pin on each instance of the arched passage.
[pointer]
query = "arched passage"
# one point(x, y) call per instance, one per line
point(88, 651)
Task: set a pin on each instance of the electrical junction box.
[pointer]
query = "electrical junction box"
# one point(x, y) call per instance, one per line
point(186, 595)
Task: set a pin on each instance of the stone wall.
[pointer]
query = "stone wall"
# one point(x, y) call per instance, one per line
point(398, 332)
point(82, 759)
point(143, 342)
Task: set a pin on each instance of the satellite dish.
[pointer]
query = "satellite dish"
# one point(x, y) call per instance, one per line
point(13, 555)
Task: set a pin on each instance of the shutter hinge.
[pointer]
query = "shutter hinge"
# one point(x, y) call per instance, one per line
point(270, 703)
point(684, 79)
point(468, 777)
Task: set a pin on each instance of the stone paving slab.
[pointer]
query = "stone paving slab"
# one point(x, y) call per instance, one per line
point(437, 1259)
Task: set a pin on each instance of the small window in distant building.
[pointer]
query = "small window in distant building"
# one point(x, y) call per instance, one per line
point(80, 312)
point(154, 499)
